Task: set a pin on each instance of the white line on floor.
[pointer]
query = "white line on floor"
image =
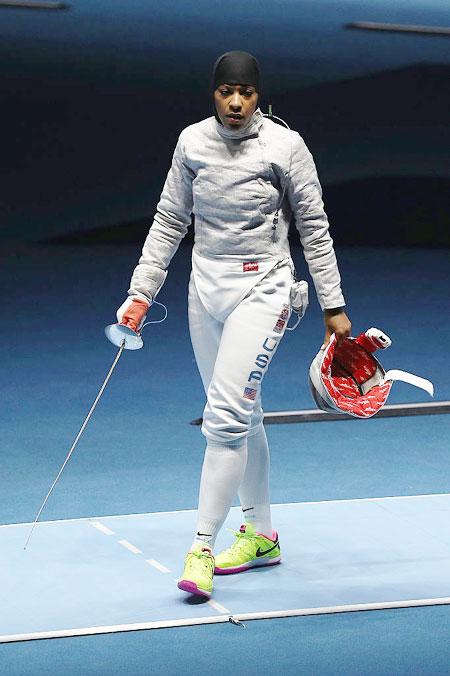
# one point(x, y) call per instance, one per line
point(158, 566)
point(85, 631)
point(279, 504)
point(218, 606)
point(99, 526)
point(129, 546)
point(386, 497)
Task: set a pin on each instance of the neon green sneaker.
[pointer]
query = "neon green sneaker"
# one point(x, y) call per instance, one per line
point(250, 550)
point(198, 572)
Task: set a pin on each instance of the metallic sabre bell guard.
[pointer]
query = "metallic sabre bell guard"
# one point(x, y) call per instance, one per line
point(118, 333)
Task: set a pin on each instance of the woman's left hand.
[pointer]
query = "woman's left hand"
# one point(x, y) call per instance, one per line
point(336, 321)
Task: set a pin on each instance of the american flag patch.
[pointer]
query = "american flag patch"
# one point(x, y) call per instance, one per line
point(279, 326)
point(249, 393)
point(284, 315)
point(250, 267)
point(285, 312)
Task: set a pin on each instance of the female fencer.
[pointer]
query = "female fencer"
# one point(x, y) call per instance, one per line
point(243, 177)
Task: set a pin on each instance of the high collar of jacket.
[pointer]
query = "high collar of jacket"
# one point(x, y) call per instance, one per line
point(251, 129)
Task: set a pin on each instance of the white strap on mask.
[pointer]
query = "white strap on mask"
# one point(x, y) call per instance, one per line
point(404, 376)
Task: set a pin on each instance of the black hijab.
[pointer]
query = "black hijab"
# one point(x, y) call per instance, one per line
point(236, 68)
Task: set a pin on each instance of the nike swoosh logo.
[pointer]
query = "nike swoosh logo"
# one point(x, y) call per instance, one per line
point(248, 509)
point(266, 551)
point(206, 535)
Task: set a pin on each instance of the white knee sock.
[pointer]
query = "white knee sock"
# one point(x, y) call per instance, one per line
point(222, 473)
point(254, 489)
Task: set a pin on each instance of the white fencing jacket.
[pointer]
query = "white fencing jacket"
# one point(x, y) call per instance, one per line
point(233, 182)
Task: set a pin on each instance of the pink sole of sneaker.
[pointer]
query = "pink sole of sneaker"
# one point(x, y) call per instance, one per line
point(241, 569)
point(191, 588)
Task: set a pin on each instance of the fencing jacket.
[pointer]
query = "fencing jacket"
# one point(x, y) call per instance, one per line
point(233, 183)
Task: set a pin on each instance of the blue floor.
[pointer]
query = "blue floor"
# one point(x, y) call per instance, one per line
point(139, 453)
point(111, 573)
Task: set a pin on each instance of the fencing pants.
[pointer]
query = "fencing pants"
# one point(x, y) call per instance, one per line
point(233, 352)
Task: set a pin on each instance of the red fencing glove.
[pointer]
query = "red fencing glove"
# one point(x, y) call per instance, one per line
point(132, 313)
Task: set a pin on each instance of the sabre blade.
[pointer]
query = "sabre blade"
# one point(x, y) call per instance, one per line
point(86, 420)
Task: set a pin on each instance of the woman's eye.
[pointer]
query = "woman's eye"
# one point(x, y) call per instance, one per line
point(224, 92)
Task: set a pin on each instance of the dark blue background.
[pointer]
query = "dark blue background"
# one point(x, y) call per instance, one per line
point(91, 102)
point(93, 98)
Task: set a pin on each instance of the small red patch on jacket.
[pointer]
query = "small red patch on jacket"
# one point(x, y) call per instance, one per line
point(250, 267)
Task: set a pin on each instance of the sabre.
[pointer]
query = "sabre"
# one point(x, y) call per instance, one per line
point(125, 339)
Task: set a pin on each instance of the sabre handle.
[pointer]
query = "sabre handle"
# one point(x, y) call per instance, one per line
point(132, 313)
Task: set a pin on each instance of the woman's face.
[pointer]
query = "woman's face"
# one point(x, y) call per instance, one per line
point(235, 104)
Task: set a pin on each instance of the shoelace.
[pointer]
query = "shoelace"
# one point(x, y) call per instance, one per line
point(206, 559)
point(243, 542)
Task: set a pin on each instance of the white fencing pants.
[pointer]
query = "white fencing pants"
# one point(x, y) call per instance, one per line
point(233, 356)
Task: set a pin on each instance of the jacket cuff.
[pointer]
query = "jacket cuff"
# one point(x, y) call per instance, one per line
point(146, 283)
point(332, 302)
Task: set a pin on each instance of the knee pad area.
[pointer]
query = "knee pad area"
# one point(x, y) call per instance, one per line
point(225, 424)
point(224, 437)
point(220, 431)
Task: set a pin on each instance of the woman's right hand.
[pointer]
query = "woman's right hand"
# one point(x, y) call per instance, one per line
point(132, 313)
